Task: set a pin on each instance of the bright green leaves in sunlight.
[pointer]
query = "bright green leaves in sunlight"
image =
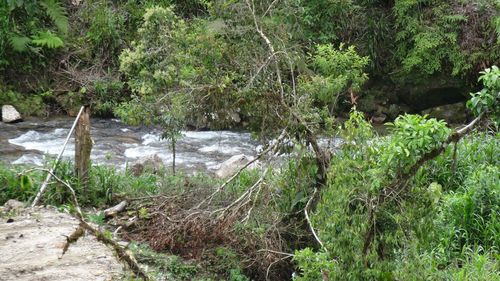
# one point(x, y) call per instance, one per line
point(411, 137)
point(314, 265)
point(47, 39)
point(486, 100)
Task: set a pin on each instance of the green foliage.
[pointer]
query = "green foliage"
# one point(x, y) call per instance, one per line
point(17, 186)
point(47, 39)
point(294, 181)
point(162, 266)
point(25, 24)
point(487, 100)
point(471, 214)
point(428, 37)
point(28, 105)
point(19, 43)
point(412, 136)
point(227, 261)
point(237, 275)
point(314, 265)
point(107, 95)
point(57, 14)
point(443, 223)
point(96, 218)
point(105, 184)
point(336, 72)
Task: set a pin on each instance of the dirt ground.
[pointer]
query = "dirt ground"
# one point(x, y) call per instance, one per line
point(30, 247)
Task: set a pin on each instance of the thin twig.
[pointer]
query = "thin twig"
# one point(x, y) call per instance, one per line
point(273, 263)
point(208, 200)
point(276, 252)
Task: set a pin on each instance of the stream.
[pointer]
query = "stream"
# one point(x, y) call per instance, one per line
point(117, 144)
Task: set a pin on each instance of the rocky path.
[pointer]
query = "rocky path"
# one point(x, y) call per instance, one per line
point(31, 244)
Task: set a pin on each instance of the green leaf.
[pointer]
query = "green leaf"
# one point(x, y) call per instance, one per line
point(19, 43)
point(57, 13)
point(47, 39)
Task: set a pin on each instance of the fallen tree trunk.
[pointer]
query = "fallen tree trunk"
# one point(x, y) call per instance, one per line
point(113, 211)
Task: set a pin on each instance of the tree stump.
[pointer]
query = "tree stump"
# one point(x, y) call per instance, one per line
point(83, 147)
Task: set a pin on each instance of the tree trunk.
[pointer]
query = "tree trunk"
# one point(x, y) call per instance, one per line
point(83, 147)
point(173, 157)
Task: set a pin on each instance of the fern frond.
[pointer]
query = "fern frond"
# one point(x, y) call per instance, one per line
point(19, 43)
point(47, 39)
point(57, 13)
point(496, 23)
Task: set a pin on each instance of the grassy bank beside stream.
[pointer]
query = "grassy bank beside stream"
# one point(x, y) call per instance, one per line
point(455, 202)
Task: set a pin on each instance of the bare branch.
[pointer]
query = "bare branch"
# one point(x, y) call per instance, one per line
point(208, 200)
point(309, 220)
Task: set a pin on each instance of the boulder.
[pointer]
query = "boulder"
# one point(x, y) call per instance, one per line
point(452, 113)
point(378, 118)
point(151, 163)
point(12, 204)
point(232, 165)
point(235, 117)
point(10, 114)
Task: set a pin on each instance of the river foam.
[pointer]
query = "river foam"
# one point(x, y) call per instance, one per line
point(119, 145)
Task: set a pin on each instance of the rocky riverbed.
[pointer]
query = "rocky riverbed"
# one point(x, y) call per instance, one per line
point(117, 144)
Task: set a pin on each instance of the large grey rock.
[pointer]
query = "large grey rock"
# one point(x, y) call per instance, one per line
point(13, 204)
point(151, 163)
point(452, 113)
point(10, 114)
point(232, 165)
point(235, 117)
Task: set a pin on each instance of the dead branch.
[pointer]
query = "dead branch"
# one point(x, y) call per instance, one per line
point(322, 158)
point(251, 7)
point(275, 252)
point(73, 238)
point(272, 147)
point(113, 211)
point(273, 263)
point(309, 220)
point(246, 195)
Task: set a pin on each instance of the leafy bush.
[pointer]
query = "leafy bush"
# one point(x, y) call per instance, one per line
point(28, 105)
point(314, 265)
point(486, 101)
point(25, 27)
point(471, 215)
point(17, 186)
point(441, 223)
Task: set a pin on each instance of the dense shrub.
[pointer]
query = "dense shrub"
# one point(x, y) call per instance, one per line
point(442, 223)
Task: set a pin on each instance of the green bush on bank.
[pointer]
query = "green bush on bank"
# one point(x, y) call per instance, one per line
point(442, 225)
point(105, 185)
point(27, 105)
